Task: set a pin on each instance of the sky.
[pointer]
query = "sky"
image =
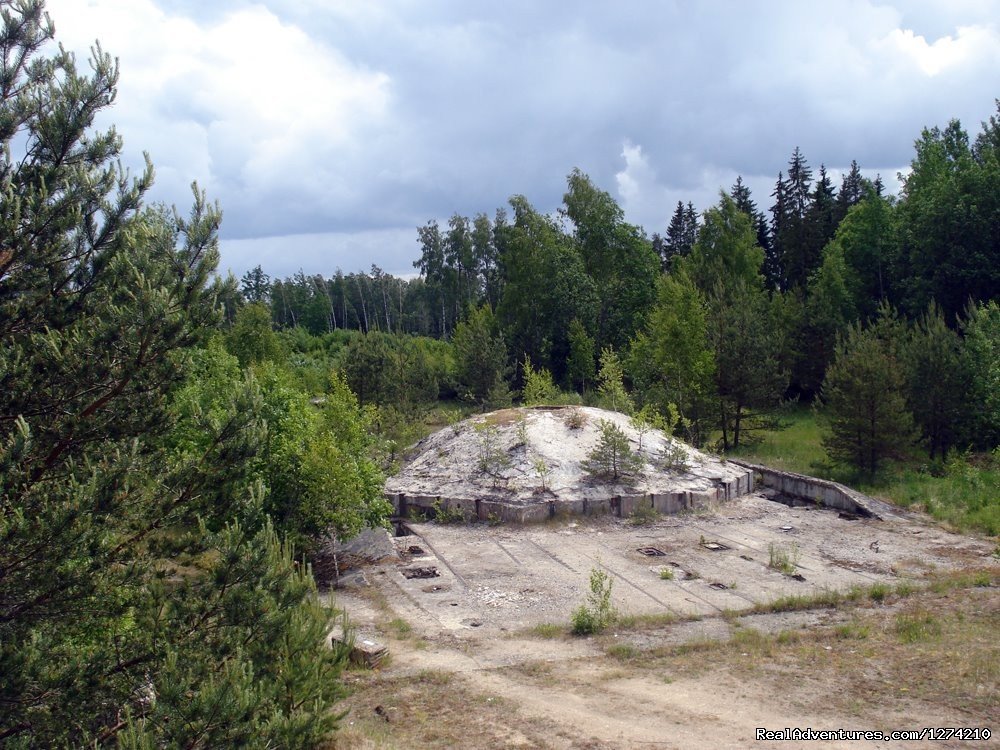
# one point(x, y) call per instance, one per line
point(329, 130)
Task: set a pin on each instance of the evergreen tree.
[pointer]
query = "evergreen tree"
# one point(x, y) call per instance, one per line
point(852, 190)
point(821, 216)
point(612, 458)
point(102, 639)
point(799, 254)
point(256, 285)
point(681, 234)
point(865, 405)
point(938, 383)
point(480, 356)
point(773, 267)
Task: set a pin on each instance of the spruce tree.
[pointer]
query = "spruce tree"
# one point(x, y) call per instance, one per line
point(852, 190)
point(681, 234)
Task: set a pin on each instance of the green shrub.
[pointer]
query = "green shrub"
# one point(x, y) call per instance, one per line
point(597, 612)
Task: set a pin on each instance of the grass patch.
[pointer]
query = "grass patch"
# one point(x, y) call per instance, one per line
point(400, 627)
point(649, 620)
point(851, 631)
point(547, 630)
point(877, 592)
point(666, 574)
point(913, 627)
point(623, 652)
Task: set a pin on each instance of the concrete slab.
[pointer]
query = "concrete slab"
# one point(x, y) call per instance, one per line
point(496, 578)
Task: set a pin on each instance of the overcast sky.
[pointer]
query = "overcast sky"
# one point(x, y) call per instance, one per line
point(329, 130)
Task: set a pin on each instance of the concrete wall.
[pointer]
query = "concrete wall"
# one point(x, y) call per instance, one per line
point(822, 491)
point(622, 506)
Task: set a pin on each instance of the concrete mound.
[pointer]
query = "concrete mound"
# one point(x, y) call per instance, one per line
point(527, 464)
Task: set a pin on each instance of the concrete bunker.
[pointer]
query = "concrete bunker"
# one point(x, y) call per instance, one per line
point(528, 464)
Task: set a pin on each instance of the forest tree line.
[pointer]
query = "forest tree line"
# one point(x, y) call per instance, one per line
point(720, 317)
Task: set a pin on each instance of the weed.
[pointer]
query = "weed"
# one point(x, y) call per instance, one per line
point(905, 588)
point(786, 637)
point(673, 456)
point(493, 459)
point(521, 430)
point(543, 470)
point(667, 574)
point(433, 677)
point(447, 514)
point(575, 419)
point(783, 558)
point(799, 602)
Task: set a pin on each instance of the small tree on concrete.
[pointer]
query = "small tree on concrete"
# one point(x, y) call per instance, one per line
point(493, 459)
point(613, 457)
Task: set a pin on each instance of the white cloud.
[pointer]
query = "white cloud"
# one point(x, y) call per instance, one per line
point(969, 45)
point(249, 105)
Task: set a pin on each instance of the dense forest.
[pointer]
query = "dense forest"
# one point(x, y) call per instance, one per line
point(175, 446)
point(715, 321)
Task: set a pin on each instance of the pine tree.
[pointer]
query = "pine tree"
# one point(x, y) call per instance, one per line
point(864, 397)
point(612, 458)
point(256, 285)
point(102, 638)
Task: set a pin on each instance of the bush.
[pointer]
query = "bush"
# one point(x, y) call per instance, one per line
point(597, 612)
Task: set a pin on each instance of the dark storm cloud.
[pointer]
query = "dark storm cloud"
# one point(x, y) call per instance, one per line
point(380, 116)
